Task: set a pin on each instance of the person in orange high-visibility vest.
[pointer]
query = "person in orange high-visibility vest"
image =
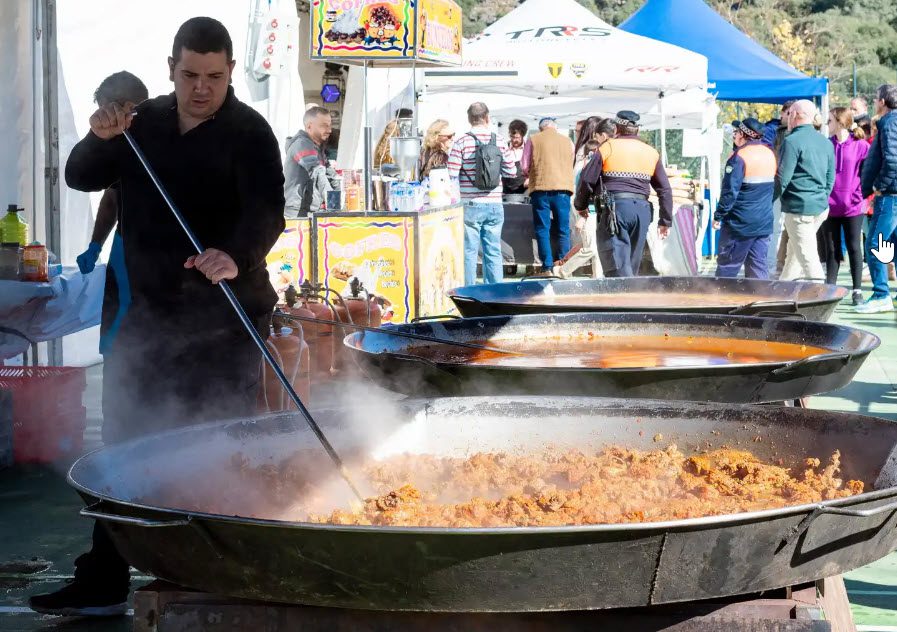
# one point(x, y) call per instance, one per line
point(744, 212)
point(618, 179)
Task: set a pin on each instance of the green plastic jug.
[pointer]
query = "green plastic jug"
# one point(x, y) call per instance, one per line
point(13, 229)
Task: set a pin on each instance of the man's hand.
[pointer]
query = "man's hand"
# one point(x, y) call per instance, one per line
point(110, 121)
point(663, 231)
point(217, 265)
point(885, 250)
point(716, 225)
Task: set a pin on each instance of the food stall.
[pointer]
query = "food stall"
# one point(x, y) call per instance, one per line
point(408, 259)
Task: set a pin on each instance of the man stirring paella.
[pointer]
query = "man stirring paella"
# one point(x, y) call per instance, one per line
point(180, 355)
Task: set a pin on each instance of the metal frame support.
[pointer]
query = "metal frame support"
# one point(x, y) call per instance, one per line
point(51, 145)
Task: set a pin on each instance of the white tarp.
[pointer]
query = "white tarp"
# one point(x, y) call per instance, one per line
point(559, 48)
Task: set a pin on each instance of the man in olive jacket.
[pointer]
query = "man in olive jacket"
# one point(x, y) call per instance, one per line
point(804, 181)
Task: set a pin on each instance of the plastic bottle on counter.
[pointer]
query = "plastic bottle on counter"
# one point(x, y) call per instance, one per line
point(13, 229)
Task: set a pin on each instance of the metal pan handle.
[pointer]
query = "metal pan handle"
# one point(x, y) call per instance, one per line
point(481, 307)
point(423, 319)
point(93, 512)
point(814, 359)
point(752, 309)
point(767, 313)
point(804, 524)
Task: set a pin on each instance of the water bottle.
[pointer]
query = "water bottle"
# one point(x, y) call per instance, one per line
point(13, 229)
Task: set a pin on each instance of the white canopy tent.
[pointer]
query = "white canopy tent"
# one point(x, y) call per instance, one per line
point(547, 48)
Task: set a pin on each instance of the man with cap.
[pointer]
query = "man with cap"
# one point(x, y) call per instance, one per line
point(625, 168)
point(548, 163)
point(744, 212)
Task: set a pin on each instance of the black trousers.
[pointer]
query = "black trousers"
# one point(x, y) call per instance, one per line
point(834, 248)
point(165, 372)
point(621, 254)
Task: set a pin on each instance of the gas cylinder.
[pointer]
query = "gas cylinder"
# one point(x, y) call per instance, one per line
point(287, 351)
point(310, 299)
point(307, 331)
point(359, 308)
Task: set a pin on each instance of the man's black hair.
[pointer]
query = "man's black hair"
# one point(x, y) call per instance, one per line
point(517, 126)
point(404, 113)
point(202, 35)
point(120, 88)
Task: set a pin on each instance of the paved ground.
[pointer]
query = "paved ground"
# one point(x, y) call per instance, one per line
point(41, 533)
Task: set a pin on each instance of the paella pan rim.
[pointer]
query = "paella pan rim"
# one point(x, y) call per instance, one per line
point(355, 340)
point(668, 525)
point(836, 294)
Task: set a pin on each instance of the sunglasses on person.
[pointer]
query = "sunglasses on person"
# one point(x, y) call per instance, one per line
point(447, 136)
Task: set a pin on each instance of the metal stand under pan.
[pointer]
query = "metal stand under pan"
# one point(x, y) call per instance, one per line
point(818, 607)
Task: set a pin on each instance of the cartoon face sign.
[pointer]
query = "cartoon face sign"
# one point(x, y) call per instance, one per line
point(382, 25)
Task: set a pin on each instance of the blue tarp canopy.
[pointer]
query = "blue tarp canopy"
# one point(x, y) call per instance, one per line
point(740, 67)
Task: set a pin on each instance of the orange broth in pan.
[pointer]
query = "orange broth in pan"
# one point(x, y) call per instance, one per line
point(610, 352)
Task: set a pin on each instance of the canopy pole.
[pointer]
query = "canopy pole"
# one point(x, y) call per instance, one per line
point(53, 225)
point(663, 132)
point(367, 142)
point(824, 113)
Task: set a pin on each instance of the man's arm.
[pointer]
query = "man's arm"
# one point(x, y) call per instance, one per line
point(307, 158)
point(587, 188)
point(787, 163)
point(94, 164)
point(508, 165)
point(259, 176)
point(107, 216)
point(830, 171)
point(661, 184)
point(731, 187)
point(526, 161)
point(871, 167)
point(456, 158)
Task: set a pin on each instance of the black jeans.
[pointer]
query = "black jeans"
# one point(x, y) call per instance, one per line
point(164, 373)
point(834, 249)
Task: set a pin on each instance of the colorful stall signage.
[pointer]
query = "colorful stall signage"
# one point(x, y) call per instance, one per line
point(439, 32)
point(362, 29)
point(378, 250)
point(441, 260)
point(290, 262)
point(387, 30)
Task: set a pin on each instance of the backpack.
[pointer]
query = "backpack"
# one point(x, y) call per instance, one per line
point(488, 159)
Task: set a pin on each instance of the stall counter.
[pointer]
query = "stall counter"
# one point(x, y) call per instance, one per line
point(409, 259)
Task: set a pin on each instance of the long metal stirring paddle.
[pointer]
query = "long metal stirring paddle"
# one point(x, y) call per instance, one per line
point(232, 299)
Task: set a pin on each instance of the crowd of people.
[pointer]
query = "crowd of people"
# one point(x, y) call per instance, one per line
point(608, 173)
point(793, 204)
point(810, 200)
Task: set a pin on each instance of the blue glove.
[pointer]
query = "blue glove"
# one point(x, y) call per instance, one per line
point(87, 260)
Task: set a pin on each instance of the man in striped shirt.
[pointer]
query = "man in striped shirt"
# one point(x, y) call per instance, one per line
point(484, 214)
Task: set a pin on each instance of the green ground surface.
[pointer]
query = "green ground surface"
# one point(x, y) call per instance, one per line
point(41, 533)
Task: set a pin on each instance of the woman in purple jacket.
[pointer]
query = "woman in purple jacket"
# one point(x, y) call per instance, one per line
point(846, 210)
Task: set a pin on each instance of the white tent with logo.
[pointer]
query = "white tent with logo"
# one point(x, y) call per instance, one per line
point(558, 48)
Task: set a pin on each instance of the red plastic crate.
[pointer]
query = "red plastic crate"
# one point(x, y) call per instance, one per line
point(48, 417)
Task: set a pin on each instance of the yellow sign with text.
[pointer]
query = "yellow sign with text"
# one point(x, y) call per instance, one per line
point(439, 32)
point(379, 251)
